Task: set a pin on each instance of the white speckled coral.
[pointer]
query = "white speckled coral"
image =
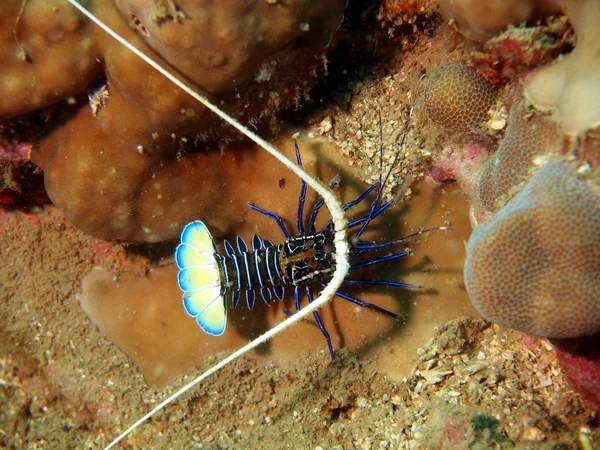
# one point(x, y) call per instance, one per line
point(535, 266)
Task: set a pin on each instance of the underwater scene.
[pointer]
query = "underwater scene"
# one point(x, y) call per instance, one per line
point(288, 224)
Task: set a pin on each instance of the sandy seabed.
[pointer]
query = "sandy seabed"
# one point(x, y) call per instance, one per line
point(64, 385)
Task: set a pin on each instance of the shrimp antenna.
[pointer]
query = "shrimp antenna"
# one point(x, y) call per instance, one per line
point(335, 208)
point(375, 211)
point(372, 212)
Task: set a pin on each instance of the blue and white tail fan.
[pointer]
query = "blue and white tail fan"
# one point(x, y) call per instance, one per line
point(200, 278)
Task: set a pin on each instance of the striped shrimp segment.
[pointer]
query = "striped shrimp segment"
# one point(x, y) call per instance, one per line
point(252, 270)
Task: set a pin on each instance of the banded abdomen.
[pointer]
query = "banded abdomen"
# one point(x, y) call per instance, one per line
point(300, 261)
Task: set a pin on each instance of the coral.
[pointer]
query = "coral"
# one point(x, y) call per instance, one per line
point(538, 231)
point(542, 214)
point(572, 85)
point(481, 20)
point(514, 53)
point(530, 140)
point(221, 47)
point(535, 266)
point(459, 98)
point(117, 164)
point(37, 49)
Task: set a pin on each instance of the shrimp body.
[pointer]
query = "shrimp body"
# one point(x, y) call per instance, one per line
point(303, 262)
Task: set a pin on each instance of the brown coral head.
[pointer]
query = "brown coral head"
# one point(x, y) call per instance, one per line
point(459, 98)
point(531, 136)
point(535, 266)
point(222, 44)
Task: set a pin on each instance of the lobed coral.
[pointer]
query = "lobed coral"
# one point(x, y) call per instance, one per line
point(158, 335)
point(41, 42)
point(459, 98)
point(117, 163)
point(530, 267)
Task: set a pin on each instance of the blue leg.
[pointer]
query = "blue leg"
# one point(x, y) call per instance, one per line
point(371, 215)
point(273, 216)
point(316, 316)
point(367, 305)
point(381, 283)
point(357, 254)
point(367, 219)
point(360, 198)
point(313, 216)
point(356, 202)
point(297, 298)
point(296, 302)
point(380, 260)
point(320, 324)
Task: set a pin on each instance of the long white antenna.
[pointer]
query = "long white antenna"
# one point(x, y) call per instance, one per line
point(335, 208)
